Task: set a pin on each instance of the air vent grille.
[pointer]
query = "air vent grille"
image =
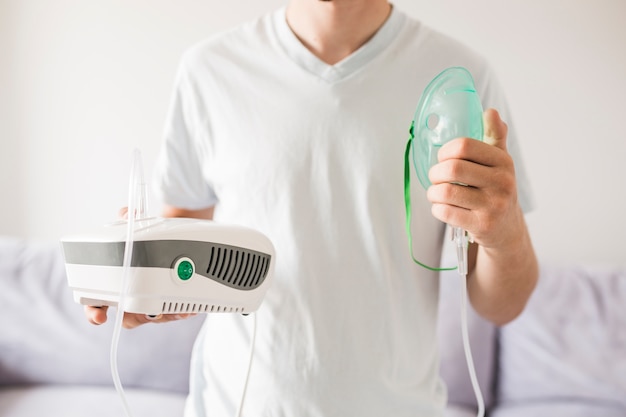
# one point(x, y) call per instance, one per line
point(237, 268)
point(184, 308)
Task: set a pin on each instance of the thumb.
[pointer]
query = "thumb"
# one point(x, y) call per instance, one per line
point(123, 213)
point(495, 129)
point(96, 315)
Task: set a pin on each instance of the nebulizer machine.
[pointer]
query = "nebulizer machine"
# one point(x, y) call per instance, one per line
point(154, 265)
point(449, 108)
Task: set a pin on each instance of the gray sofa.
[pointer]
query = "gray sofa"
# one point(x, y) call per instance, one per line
point(54, 363)
point(565, 356)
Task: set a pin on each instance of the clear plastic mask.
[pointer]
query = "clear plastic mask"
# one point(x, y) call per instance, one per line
point(449, 108)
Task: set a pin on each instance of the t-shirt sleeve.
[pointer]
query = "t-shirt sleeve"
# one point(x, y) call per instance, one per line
point(178, 175)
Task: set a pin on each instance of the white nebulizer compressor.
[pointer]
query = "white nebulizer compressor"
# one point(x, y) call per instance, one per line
point(154, 265)
point(178, 265)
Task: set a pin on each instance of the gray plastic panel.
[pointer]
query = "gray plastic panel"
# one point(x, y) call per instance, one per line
point(233, 266)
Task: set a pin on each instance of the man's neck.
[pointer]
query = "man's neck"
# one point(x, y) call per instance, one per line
point(334, 29)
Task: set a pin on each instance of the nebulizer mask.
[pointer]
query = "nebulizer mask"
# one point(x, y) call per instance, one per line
point(449, 108)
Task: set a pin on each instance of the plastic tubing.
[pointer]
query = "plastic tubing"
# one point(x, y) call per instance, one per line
point(135, 209)
point(460, 238)
point(251, 357)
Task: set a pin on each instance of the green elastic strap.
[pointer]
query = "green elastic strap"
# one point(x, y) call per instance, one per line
point(407, 202)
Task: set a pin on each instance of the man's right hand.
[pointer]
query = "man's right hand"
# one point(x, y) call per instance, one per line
point(98, 315)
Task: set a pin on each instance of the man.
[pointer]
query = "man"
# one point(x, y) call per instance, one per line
point(295, 125)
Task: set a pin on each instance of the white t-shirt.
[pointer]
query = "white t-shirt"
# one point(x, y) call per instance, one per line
point(312, 155)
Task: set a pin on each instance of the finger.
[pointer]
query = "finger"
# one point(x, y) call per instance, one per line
point(470, 150)
point(495, 129)
point(96, 315)
point(132, 320)
point(123, 213)
point(455, 195)
point(460, 171)
point(453, 215)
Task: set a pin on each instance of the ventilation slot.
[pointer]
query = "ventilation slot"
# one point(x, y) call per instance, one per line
point(185, 308)
point(237, 268)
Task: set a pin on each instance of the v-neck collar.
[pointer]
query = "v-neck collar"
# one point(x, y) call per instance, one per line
point(347, 66)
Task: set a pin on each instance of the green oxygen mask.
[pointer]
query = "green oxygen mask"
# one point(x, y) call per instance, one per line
point(449, 108)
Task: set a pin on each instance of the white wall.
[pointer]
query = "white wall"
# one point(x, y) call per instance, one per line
point(84, 82)
point(10, 219)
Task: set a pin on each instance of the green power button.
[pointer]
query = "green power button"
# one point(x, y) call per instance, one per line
point(184, 269)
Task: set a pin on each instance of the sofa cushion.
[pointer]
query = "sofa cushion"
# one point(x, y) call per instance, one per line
point(45, 338)
point(561, 409)
point(458, 411)
point(568, 346)
point(80, 401)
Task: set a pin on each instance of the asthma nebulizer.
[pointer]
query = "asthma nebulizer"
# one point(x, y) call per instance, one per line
point(449, 108)
point(153, 265)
